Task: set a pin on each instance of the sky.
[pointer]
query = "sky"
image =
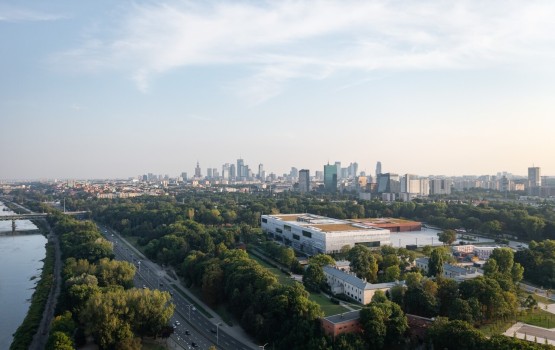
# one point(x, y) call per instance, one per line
point(105, 89)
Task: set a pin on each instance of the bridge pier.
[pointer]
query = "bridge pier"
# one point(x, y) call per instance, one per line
point(13, 226)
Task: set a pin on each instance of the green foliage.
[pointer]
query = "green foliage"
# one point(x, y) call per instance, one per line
point(59, 341)
point(447, 236)
point(363, 263)
point(456, 334)
point(383, 322)
point(435, 264)
point(538, 263)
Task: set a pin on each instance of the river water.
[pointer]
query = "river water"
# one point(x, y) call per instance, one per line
point(20, 268)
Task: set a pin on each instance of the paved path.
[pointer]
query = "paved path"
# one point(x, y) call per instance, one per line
point(531, 333)
point(41, 337)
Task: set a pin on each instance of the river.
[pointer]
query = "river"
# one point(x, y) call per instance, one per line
point(20, 267)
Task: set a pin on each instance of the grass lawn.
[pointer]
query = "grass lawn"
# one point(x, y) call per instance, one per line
point(326, 305)
point(541, 299)
point(151, 344)
point(538, 317)
point(282, 277)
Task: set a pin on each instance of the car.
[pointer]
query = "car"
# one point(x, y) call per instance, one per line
point(177, 323)
point(194, 345)
point(144, 287)
point(213, 330)
point(187, 332)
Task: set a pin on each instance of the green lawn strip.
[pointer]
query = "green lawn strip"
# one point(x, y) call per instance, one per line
point(326, 305)
point(197, 306)
point(542, 299)
point(497, 327)
point(282, 277)
point(151, 344)
point(536, 317)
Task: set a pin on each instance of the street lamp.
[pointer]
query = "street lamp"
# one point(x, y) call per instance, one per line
point(139, 264)
point(263, 347)
point(218, 333)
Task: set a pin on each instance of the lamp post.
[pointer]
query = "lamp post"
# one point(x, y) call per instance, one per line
point(263, 347)
point(218, 333)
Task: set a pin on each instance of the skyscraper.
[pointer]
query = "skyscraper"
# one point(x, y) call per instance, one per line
point(338, 169)
point(304, 180)
point(534, 177)
point(378, 169)
point(260, 171)
point(198, 173)
point(241, 169)
point(330, 178)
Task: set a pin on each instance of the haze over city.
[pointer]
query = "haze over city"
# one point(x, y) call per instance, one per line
point(116, 89)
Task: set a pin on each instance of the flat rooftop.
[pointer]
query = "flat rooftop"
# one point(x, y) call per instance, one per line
point(344, 317)
point(322, 223)
point(386, 221)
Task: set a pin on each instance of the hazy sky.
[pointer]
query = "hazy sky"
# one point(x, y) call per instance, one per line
point(94, 89)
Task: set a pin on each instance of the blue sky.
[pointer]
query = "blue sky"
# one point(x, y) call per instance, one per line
point(120, 88)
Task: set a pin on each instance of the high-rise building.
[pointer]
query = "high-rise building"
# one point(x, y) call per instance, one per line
point(534, 177)
point(260, 171)
point(184, 176)
point(241, 173)
point(338, 169)
point(389, 183)
point(330, 178)
point(198, 172)
point(440, 186)
point(225, 171)
point(304, 180)
point(209, 173)
point(294, 173)
point(232, 172)
point(378, 169)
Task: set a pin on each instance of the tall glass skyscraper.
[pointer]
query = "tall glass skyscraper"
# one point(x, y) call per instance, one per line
point(330, 178)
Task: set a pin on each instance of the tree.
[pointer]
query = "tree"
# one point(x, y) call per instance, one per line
point(455, 334)
point(314, 277)
point(504, 258)
point(392, 273)
point(447, 237)
point(363, 263)
point(435, 264)
point(59, 341)
point(383, 322)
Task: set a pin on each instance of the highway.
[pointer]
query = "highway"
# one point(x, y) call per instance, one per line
point(192, 328)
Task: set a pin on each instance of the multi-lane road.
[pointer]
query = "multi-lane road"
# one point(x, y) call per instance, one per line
point(192, 329)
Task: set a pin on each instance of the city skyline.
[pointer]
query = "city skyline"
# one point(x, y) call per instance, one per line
point(113, 90)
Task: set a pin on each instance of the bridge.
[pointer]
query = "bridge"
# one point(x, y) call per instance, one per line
point(33, 216)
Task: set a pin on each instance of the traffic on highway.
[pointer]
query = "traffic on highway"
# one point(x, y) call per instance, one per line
point(192, 329)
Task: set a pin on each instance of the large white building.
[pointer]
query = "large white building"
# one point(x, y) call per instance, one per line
point(314, 234)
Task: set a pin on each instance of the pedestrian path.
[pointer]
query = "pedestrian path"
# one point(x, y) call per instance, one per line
point(531, 333)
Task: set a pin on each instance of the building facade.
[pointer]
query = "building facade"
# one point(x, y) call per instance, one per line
point(314, 234)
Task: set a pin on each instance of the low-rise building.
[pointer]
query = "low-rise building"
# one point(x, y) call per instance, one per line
point(348, 322)
point(349, 284)
point(450, 271)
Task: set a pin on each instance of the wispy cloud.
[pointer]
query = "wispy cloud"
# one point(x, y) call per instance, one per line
point(286, 40)
point(10, 14)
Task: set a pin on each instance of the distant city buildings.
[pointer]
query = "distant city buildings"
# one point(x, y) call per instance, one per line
point(304, 181)
point(330, 178)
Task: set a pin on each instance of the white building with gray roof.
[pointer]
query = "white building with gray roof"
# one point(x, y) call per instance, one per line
point(342, 282)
